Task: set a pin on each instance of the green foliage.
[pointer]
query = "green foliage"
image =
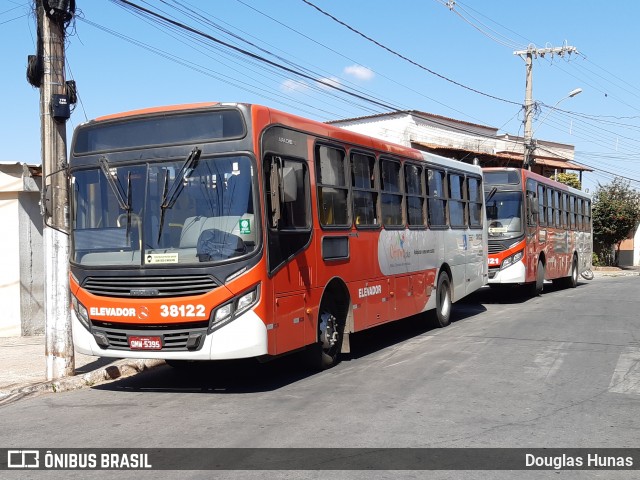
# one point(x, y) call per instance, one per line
point(570, 179)
point(615, 213)
point(595, 260)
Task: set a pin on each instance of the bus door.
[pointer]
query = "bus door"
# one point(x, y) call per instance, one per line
point(289, 233)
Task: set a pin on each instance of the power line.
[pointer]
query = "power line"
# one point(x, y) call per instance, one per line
point(356, 61)
point(412, 62)
point(253, 55)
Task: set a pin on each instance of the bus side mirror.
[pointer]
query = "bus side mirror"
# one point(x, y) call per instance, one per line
point(533, 205)
point(55, 201)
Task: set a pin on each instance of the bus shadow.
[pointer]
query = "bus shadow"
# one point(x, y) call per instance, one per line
point(219, 377)
point(516, 294)
point(250, 376)
point(375, 339)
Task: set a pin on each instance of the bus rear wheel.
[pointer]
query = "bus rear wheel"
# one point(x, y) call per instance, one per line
point(443, 300)
point(572, 280)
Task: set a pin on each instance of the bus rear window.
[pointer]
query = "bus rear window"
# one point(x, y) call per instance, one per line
point(509, 177)
point(173, 129)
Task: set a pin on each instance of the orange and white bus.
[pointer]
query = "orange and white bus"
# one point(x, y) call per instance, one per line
point(222, 231)
point(539, 229)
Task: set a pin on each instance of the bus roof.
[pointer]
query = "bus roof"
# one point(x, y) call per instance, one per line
point(303, 124)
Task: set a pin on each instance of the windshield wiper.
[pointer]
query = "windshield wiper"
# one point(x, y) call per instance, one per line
point(170, 195)
point(492, 192)
point(115, 184)
point(116, 187)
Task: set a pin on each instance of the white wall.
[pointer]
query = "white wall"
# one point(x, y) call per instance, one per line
point(10, 321)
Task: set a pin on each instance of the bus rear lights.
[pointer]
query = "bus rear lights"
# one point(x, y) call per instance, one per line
point(81, 312)
point(233, 309)
point(512, 259)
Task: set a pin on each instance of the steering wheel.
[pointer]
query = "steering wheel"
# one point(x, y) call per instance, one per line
point(495, 224)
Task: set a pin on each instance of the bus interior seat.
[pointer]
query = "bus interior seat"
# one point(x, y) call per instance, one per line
point(194, 226)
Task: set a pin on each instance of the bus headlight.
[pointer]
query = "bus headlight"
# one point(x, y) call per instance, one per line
point(81, 312)
point(512, 259)
point(233, 309)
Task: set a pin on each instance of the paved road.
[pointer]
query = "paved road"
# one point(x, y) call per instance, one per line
point(560, 370)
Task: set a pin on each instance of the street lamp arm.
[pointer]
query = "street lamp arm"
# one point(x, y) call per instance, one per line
point(571, 94)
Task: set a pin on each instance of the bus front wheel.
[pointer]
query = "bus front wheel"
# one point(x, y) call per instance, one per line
point(325, 353)
point(538, 285)
point(443, 300)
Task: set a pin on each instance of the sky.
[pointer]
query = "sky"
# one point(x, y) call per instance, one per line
point(458, 62)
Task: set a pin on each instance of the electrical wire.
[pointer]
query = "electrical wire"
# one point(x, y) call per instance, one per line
point(412, 62)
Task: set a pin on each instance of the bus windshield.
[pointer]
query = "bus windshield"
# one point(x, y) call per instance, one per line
point(187, 211)
point(504, 214)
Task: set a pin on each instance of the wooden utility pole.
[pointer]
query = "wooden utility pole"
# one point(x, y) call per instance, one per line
point(528, 54)
point(59, 340)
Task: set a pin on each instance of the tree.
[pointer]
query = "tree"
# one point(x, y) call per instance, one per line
point(570, 179)
point(615, 212)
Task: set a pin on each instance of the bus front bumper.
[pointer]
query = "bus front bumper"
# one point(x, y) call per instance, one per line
point(244, 337)
point(512, 274)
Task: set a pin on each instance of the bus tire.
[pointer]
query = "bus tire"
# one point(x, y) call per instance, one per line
point(537, 286)
point(325, 353)
point(572, 279)
point(443, 300)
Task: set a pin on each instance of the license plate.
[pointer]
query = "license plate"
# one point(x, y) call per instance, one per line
point(145, 343)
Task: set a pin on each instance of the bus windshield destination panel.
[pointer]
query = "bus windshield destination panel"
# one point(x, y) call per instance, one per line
point(234, 231)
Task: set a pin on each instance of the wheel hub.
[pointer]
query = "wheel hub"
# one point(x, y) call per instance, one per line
point(328, 331)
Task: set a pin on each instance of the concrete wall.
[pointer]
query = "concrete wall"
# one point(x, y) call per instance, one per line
point(31, 264)
point(10, 321)
point(22, 270)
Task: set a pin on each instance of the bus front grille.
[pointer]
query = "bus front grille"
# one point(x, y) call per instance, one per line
point(171, 340)
point(150, 287)
point(496, 248)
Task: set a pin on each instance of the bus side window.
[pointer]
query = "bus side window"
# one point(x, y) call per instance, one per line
point(579, 225)
point(364, 194)
point(572, 212)
point(474, 195)
point(415, 195)
point(549, 205)
point(456, 200)
point(333, 191)
point(587, 215)
point(391, 188)
point(542, 211)
point(436, 199)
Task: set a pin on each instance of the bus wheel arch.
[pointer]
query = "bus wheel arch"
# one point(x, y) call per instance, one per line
point(444, 296)
point(333, 315)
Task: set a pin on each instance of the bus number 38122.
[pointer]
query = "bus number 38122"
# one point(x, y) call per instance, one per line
point(182, 311)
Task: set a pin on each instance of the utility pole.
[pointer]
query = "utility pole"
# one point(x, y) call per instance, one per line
point(527, 55)
point(54, 111)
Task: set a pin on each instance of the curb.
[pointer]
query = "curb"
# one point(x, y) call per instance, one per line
point(613, 273)
point(120, 369)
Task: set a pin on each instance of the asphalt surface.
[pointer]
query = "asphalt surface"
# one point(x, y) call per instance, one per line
point(556, 371)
